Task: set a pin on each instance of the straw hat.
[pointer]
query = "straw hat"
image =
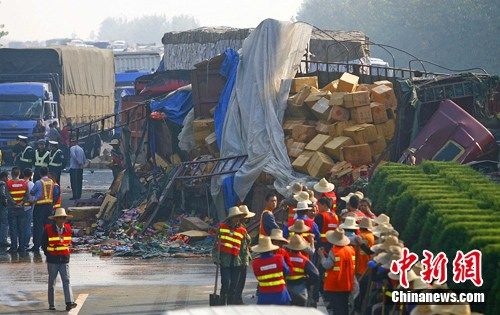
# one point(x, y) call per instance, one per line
point(454, 309)
point(358, 194)
point(417, 267)
point(248, 213)
point(349, 224)
point(265, 245)
point(302, 205)
point(277, 235)
point(234, 212)
point(366, 223)
point(382, 258)
point(411, 276)
point(418, 284)
point(381, 229)
point(297, 242)
point(386, 244)
point(396, 253)
point(302, 196)
point(337, 237)
point(382, 219)
point(311, 197)
point(324, 186)
point(295, 188)
point(299, 227)
point(60, 213)
point(421, 309)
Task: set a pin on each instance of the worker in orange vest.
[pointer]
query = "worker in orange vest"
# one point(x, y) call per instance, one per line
point(367, 241)
point(301, 214)
point(278, 240)
point(267, 219)
point(56, 243)
point(57, 192)
point(231, 241)
point(18, 190)
point(327, 189)
point(290, 202)
point(43, 192)
point(244, 255)
point(270, 270)
point(339, 276)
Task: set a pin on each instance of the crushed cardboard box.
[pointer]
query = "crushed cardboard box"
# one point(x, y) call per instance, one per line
point(337, 98)
point(321, 109)
point(289, 124)
point(348, 83)
point(314, 97)
point(318, 142)
point(322, 128)
point(337, 129)
point(356, 99)
point(379, 113)
point(331, 87)
point(358, 154)
point(303, 133)
point(385, 95)
point(299, 83)
point(296, 149)
point(362, 133)
point(378, 146)
point(319, 165)
point(333, 147)
point(386, 129)
point(339, 113)
point(300, 164)
point(361, 114)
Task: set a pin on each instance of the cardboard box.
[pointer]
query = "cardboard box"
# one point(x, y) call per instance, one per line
point(356, 99)
point(385, 95)
point(359, 154)
point(340, 169)
point(333, 148)
point(348, 83)
point(379, 113)
point(383, 82)
point(337, 99)
point(299, 83)
point(202, 128)
point(211, 144)
point(362, 133)
point(322, 109)
point(296, 107)
point(331, 87)
point(339, 113)
point(317, 143)
point(303, 133)
point(362, 114)
point(378, 146)
point(314, 97)
point(319, 165)
point(322, 128)
point(363, 87)
point(386, 129)
point(337, 129)
point(296, 149)
point(289, 124)
point(300, 164)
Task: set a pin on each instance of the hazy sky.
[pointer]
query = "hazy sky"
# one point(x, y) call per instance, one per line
point(45, 19)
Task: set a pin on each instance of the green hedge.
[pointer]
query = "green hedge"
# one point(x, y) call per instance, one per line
point(442, 206)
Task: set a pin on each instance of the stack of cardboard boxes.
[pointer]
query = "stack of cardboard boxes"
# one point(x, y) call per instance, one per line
point(345, 121)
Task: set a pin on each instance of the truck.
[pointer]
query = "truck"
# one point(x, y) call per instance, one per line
point(54, 84)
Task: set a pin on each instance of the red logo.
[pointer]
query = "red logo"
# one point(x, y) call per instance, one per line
point(468, 267)
point(434, 268)
point(403, 265)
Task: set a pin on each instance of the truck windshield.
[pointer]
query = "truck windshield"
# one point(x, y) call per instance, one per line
point(20, 109)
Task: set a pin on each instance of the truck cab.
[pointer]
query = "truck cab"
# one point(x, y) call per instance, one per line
point(22, 104)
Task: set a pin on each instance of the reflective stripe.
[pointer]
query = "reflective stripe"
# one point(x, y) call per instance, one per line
point(272, 283)
point(65, 238)
point(353, 257)
point(270, 276)
point(336, 268)
point(22, 159)
point(51, 249)
point(388, 293)
point(295, 277)
point(237, 241)
point(298, 269)
point(51, 163)
point(337, 258)
point(323, 235)
point(40, 160)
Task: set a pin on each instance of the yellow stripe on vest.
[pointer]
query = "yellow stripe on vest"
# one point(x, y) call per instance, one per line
point(270, 276)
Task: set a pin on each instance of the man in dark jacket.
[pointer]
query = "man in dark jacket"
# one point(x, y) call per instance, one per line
point(56, 242)
point(4, 218)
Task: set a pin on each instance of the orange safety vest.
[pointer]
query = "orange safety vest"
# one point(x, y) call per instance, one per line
point(341, 276)
point(330, 223)
point(362, 258)
point(47, 192)
point(262, 231)
point(308, 222)
point(59, 199)
point(269, 274)
point(58, 243)
point(298, 261)
point(17, 189)
point(230, 239)
point(333, 197)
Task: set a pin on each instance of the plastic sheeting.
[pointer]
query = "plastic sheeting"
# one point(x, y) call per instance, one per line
point(175, 105)
point(271, 56)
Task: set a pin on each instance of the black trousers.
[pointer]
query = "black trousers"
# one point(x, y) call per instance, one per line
point(338, 302)
point(241, 285)
point(41, 215)
point(56, 172)
point(76, 179)
point(230, 276)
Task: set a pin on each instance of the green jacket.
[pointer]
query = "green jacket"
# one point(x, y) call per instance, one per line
point(228, 260)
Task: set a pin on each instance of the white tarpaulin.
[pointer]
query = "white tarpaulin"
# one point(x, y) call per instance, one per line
point(270, 58)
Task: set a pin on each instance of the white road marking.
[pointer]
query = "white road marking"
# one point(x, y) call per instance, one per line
point(79, 300)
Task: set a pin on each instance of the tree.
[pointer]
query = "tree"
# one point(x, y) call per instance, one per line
point(146, 29)
point(454, 33)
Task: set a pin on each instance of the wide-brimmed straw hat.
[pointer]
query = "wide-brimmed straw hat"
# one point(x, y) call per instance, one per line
point(382, 229)
point(277, 235)
point(455, 309)
point(302, 196)
point(382, 219)
point(265, 245)
point(418, 284)
point(324, 186)
point(366, 223)
point(302, 205)
point(60, 213)
point(349, 224)
point(386, 244)
point(299, 227)
point(337, 237)
point(358, 194)
point(248, 214)
point(234, 212)
point(395, 253)
point(297, 242)
point(295, 188)
point(411, 276)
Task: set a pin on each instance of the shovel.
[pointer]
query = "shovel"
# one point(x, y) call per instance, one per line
point(214, 299)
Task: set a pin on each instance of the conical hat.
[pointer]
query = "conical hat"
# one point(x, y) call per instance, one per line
point(297, 242)
point(384, 246)
point(337, 237)
point(382, 229)
point(323, 186)
point(302, 196)
point(302, 205)
point(234, 212)
point(277, 235)
point(248, 213)
point(60, 213)
point(349, 224)
point(366, 223)
point(382, 219)
point(265, 245)
point(299, 227)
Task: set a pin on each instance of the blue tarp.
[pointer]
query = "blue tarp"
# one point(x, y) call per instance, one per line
point(228, 69)
point(175, 105)
point(128, 78)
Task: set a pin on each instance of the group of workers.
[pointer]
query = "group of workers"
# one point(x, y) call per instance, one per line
point(342, 256)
